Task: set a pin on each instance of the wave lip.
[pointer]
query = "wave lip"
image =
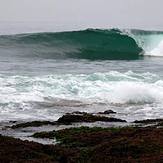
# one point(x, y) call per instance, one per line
point(150, 41)
point(87, 44)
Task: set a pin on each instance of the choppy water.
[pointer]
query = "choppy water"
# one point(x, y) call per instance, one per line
point(44, 75)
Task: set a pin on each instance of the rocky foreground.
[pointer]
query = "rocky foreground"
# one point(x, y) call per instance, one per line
point(141, 142)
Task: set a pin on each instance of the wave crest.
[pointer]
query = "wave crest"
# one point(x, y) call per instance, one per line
point(87, 44)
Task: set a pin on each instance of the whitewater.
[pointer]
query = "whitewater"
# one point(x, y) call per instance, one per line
point(45, 75)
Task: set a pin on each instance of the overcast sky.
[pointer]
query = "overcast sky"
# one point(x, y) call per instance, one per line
point(147, 14)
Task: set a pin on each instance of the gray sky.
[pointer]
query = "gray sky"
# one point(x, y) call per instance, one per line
point(146, 14)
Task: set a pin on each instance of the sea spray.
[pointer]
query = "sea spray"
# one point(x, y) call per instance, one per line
point(25, 94)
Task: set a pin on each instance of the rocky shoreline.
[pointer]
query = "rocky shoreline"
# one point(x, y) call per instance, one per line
point(83, 137)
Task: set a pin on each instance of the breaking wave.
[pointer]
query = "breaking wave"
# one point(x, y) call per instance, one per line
point(90, 44)
point(47, 96)
point(111, 87)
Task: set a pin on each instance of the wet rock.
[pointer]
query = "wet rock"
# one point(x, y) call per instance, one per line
point(33, 124)
point(108, 112)
point(89, 145)
point(71, 118)
point(78, 112)
point(120, 144)
point(49, 135)
point(15, 150)
point(60, 134)
point(149, 121)
point(12, 121)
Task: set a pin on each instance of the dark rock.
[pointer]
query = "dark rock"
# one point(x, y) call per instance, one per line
point(89, 145)
point(12, 121)
point(49, 135)
point(148, 121)
point(70, 118)
point(78, 112)
point(108, 112)
point(17, 151)
point(33, 124)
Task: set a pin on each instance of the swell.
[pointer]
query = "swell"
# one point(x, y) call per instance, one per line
point(87, 44)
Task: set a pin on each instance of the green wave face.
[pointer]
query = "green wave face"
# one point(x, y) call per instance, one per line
point(88, 44)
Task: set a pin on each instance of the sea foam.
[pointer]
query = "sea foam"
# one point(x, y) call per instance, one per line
point(26, 97)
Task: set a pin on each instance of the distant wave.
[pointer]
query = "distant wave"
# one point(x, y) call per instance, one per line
point(87, 44)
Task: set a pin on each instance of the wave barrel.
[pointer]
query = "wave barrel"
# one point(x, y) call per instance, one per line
point(93, 44)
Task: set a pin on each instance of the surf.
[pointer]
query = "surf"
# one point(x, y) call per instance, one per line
point(46, 96)
point(92, 44)
point(87, 44)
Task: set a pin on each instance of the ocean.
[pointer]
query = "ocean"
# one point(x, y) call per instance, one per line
point(45, 75)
